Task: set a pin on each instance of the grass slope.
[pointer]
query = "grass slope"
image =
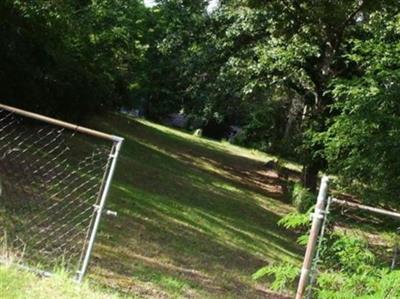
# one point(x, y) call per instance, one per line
point(196, 217)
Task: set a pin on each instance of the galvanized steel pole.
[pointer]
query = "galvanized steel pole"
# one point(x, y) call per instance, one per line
point(99, 211)
point(318, 217)
point(60, 123)
point(354, 205)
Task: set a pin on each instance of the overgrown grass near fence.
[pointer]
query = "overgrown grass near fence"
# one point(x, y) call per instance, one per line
point(16, 284)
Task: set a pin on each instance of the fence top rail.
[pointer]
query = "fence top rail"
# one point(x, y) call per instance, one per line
point(61, 123)
point(366, 208)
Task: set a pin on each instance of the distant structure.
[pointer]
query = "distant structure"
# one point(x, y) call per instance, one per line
point(210, 129)
point(198, 133)
point(177, 120)
point(234, 132)
point(131, 112)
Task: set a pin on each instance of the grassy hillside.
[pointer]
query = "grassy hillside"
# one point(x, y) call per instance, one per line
point(196, 217)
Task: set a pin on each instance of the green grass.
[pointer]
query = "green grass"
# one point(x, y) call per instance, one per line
point(196, 217)
point(15, 284)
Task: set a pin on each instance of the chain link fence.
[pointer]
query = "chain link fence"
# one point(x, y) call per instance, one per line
point(360, 244)
point(54, 179)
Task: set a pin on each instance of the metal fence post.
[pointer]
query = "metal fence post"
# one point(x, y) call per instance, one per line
point(99, 210)
point(318, 217)
point(396, 250)
point(314, 268)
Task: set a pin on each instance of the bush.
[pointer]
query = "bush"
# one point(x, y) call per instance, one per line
point(349, 268)
point(302, 198)
point(348, 253)
point(372, 284)
point(284, 275)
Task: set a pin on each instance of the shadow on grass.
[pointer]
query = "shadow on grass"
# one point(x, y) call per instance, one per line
point(194, 222)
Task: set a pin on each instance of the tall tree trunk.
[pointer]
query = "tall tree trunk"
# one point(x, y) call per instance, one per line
point(310, 176)
point(296, 107)
point(313, 164)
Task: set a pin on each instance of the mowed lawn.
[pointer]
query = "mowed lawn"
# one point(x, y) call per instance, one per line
point(195, 217)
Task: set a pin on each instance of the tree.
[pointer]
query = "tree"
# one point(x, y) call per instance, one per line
point(362, 140)
point(300, 77)
point(308, 42)
point(71, 58)
point(173, 27)
point(281, 49)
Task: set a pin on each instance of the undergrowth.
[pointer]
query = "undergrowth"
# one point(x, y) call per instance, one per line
point(349, 266)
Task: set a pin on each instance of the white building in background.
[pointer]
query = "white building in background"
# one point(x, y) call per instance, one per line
point(149, 3)
point(212, 4)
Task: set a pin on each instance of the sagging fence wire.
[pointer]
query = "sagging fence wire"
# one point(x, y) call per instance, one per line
point(53, 185)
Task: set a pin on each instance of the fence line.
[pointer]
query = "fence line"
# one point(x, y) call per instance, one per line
point(54, 181)
point(354, 205)
point(319, 218)
point(60, 123)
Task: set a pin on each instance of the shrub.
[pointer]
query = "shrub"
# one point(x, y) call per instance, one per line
point(284, 275)
point(348, 253)
point(302, 198)
point(372, 284)
point(350, 268)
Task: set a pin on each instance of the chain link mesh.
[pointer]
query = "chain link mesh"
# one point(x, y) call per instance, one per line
point(51, 180)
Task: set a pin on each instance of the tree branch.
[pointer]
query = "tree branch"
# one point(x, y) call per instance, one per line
point(345, 23)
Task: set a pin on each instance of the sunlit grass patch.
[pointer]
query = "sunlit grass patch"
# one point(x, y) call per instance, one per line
point(196, 217)
point(17, 284)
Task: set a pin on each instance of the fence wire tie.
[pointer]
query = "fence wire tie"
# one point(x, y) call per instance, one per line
point(110, 213)
point(106, 212)
point(319, 214)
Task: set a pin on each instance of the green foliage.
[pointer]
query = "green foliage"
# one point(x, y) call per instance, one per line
point(298, 222)
point(176, 30)
point(295, 220)
point(284, 275)
point(348, 254)
point(302, 198)
point(275, 68)
point(373, 284)
point(348, 269)
point(69, 58)
point(318, 81)
point(348, 266)
point(363, 138)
